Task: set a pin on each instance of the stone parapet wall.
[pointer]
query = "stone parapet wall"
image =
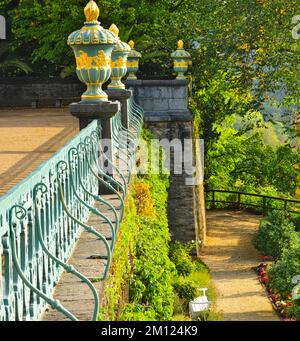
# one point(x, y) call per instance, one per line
point(186, 206)
point(167, 115)
point(21, 92)
point(162, 100)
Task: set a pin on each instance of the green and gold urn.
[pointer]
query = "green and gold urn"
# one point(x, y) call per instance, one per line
point(133, 62)
point(92, 46)
point(182, 60)
point(118, 61)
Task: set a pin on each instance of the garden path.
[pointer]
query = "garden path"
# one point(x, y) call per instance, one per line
point(231, 256)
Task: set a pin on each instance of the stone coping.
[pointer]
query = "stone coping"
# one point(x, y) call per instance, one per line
point(157, 82)
point(180, 116)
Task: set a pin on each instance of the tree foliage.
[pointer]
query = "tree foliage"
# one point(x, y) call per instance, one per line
point(243, 54)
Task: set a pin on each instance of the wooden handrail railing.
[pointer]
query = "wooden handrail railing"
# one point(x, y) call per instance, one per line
point(239, 204)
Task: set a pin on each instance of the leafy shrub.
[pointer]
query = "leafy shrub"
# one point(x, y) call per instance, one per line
point(180, 306)
point(151, 283)
point(185, 289)
point(181, 317)
point(294, 310)
point(296, 222)
point(143, 199)
point(282, 273)
point(180, 256)
point(276, 233)
point(137, 312)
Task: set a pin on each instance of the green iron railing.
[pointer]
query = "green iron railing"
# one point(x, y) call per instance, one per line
point(41, 218)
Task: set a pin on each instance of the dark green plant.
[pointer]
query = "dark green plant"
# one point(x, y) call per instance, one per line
point(296, 222)
point(151, 283)
point(180, 256)
point(136, 312)
point(294, 310)
point(209, 315)
point(282, 272)
point(276, 233)
point(185, 289)
point(9, 63)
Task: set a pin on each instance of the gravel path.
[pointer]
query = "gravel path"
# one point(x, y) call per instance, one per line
point(230, 256)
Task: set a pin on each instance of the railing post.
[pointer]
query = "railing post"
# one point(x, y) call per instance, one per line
point(102, 111)
point(213, 204)
point(121, 95)
point(264, 205)
point(239, 202)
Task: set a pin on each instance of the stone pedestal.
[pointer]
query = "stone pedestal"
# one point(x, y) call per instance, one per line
point(121, 95)
point(87, 112)
point(102, 111)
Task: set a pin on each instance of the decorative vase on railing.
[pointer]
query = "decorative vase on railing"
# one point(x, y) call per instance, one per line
point(118, 60)
point(133, 62)
point(92, 46)
point(182, 59)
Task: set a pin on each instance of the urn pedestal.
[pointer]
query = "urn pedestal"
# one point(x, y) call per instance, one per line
point(103, 112)
point(121, 95)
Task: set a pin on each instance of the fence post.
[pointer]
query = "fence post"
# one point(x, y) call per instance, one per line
point(239, 202)
point(264, 205)
point(213, 205)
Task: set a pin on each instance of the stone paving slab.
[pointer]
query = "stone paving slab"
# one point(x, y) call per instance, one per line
point(28, 137)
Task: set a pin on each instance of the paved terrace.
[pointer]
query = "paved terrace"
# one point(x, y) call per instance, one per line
point(29, 137)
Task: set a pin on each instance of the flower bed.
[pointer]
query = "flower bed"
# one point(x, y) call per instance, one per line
point(281, 306)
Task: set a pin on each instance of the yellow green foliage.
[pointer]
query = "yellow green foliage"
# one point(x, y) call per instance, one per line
point(143, 199)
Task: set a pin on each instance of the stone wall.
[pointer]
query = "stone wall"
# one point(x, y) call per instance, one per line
point(168, 117)
point(21, 92)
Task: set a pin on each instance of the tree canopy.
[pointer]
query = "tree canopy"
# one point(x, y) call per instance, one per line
point(244, 54)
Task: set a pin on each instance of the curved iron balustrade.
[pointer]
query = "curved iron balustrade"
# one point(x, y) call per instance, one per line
point(42, 217)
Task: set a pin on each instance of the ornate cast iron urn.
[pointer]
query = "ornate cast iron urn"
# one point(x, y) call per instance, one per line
point(133, 62)
point(92, 46)
point(118, 61)
point(182, 60)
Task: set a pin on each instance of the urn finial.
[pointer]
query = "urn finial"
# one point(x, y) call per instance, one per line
point(180, 44)
point(114, 28)
point(131, 44)
point(91, 11)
